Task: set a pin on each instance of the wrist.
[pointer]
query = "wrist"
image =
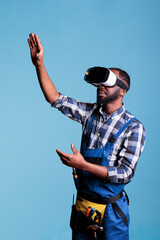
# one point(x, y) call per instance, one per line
point(85, 166)
point(39, 65)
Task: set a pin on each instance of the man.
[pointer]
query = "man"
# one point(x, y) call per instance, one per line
point(112, 142)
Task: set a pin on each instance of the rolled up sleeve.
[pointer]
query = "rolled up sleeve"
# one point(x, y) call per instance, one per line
point(128, 156)
point(75, 110)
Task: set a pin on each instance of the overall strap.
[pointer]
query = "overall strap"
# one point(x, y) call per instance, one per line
point(125, 126)
point(91, 120)
point(89, 125)
point(109, 145)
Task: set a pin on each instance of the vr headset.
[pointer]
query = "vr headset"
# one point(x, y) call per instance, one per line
point(103, 76)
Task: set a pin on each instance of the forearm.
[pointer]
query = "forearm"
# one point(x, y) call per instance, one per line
point(97, 170)
point(49, 90)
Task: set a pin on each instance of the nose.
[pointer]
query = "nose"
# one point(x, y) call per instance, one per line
point(101, 87)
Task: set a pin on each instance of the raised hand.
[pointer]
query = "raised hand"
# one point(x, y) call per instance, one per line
point(36, 50)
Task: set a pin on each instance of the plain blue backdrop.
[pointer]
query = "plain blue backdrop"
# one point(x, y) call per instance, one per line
point(35, 188)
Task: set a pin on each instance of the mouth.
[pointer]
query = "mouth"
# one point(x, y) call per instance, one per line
point(101, 93)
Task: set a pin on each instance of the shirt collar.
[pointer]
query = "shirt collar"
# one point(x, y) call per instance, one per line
point(114, 114)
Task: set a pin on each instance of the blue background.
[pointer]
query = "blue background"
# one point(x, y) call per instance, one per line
point(35, 188)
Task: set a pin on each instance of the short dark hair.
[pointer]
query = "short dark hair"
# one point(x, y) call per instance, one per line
point(123, 75)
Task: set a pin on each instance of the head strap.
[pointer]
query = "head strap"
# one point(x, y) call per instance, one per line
point(121, 84)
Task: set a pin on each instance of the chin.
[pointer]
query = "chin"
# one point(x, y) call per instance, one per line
point(100, 102)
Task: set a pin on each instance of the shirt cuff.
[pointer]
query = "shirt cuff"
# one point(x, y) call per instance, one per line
point(60, 101)
point(112, 174)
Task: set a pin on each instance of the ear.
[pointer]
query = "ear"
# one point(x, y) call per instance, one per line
point(122, 92)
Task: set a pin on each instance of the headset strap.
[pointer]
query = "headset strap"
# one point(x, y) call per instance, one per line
point(122, 84)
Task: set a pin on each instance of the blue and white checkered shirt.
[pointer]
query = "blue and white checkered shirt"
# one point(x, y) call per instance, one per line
point(129, 145)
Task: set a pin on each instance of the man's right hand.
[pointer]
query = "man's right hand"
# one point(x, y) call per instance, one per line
point(49, 90)
point(36, 50)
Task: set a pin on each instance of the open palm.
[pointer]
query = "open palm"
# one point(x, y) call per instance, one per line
point(36, 49)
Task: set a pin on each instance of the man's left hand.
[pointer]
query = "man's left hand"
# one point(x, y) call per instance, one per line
point(74, 160)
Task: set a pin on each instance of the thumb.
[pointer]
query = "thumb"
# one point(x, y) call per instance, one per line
point(74, 149)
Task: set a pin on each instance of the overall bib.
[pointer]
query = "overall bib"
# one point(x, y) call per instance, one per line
point(116, 217)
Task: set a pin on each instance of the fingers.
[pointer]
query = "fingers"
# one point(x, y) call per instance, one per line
point(62, 154)
point(73, 148)
point(65, 160)
point(30, 45)
point(32, 39)
point(38, 43)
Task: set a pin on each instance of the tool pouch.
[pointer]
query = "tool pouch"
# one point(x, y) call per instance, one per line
point(80, 222)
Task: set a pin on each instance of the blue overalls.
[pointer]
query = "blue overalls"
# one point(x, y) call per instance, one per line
point(115, 228)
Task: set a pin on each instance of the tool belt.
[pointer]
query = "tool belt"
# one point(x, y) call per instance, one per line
point(88, 212)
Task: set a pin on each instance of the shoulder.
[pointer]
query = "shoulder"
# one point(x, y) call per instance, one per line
point(90, 108)
point(136, 125)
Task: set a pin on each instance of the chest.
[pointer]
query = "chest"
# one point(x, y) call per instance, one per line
point(97, 134)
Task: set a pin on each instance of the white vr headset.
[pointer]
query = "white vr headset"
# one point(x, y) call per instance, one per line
point(103, 76)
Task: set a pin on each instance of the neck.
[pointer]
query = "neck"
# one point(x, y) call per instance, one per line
point(111, 107)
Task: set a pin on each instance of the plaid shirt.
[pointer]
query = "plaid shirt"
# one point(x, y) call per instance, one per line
point(129, 145)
